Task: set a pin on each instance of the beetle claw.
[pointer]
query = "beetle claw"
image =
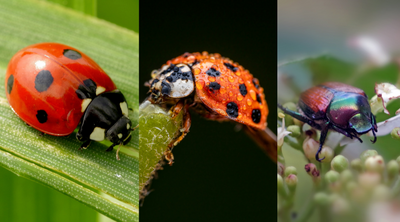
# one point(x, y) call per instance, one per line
point(373, 141)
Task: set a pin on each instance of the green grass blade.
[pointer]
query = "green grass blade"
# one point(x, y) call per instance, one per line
point(89, 7)
point(55, 161)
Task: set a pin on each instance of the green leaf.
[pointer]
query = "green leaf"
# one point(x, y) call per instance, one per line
point(157, 131)
point(93, 176)
point(88, 7)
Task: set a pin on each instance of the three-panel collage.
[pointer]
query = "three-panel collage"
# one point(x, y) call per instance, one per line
point(199, 111)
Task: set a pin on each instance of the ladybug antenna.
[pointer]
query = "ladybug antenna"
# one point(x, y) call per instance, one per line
point(373, 141)
point(132, 129)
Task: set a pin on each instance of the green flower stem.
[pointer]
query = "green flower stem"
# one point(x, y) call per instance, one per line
point(306, 212)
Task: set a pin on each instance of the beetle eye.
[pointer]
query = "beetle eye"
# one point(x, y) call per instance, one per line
point(360, 123)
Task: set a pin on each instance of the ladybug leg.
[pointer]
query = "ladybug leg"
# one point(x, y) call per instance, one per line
point(85, 145)
point(111, 147)
point(186, 123)
point(299, 116)
point(324, 132)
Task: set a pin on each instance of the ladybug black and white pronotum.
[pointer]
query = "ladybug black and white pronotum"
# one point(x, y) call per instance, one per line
point(53, 87)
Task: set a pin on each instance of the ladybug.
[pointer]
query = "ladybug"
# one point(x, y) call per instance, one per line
point(54, 87)
point(213, 86)
point(336, 106)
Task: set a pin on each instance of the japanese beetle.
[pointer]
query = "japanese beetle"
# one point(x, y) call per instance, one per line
point(335, 106)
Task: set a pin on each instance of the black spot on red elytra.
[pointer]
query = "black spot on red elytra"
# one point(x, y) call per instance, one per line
point(231, 67)
point(10, 83)
point(41, 116)
point(72, 54)
point(214, 86)
point(256, 115)
point(43, 80)
point(232, 109)
point(255, 82)
point(213, 72)
point(243, 89)
point(259, 99)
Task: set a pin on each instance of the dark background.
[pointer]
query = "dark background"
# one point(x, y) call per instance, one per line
point(219, 174)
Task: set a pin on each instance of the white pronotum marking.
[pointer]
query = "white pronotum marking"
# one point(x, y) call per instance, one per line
point(97, 134)
point(128, 126)
point(124, 108)
point(99, 90)
point(120, 135)
point(85, 104)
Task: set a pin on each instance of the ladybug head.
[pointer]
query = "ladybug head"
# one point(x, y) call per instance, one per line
point(120, 132)
point(173, 81)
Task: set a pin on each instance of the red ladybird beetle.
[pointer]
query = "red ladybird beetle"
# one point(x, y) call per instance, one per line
point(215, 87)
point(53, 87)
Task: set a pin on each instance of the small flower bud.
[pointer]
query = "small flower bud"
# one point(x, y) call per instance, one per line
point(339, 163)
point(326, 153)
point(369, 180)
point(364, 155)
point(398, 160)
point(291, 182)
point(290, 170)
point(395, 133)
point(356, 165)
point(295, 130)
point(310, 148)
point(346, 176)
point(321, 199)
point(311, 169)
point(380, 193)
point(374, 164)
point(332, 176)
point(281, 187)
point(392, 169)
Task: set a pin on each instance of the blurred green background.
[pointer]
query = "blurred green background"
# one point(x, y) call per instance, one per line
point(24, 200)
point(311, 28)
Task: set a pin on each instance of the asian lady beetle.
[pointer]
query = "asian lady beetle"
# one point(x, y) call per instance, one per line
point(53, 87)
point(215, 87)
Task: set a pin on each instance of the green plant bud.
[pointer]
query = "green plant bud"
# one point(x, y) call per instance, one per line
point(290, 170)
point(395, 133)
point(339, 163)
point(392, 169)
point(364, 155)
point(281, 187)
point(369, 180)
point(398, 160)
point(291, 182)
point(356, 165)
point(321, 199)
point(374, 164)
point(288, 118)
point(310, 148)
point(326, 153)
point(295, 130)
point(311, 170)
point(346, 176)
point(381, 193)
point(331, 176)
